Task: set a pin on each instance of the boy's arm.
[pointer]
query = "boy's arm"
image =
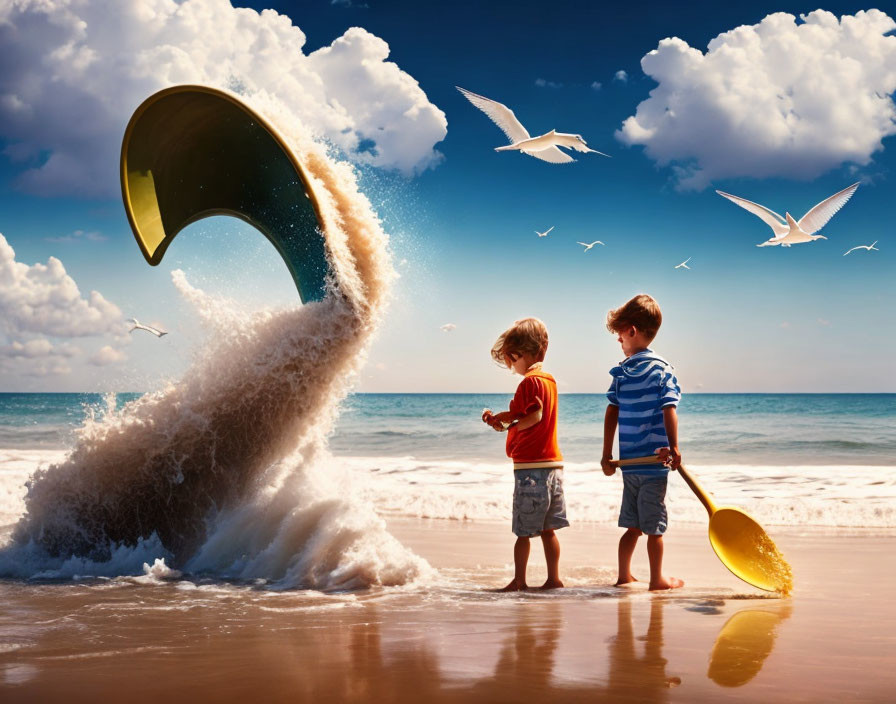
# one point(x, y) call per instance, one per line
point(526, 398)
point(498, 420)
point(611, 419)
point(670, 420)
point(507, 416)
point(533, 418)
point(526, 421)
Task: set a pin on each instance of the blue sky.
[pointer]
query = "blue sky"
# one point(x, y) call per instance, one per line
point(742, 319)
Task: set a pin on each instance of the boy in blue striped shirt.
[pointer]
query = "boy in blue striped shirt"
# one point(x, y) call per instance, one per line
point(643, 397)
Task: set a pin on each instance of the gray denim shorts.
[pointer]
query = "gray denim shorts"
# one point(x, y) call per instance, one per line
point(643, 504)
point(538, 502)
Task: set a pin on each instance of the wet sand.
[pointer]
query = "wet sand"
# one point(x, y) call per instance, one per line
point(452, 640)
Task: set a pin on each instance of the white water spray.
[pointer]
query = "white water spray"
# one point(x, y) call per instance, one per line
point(226, 472)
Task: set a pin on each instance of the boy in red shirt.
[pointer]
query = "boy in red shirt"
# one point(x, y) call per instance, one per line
point(531, 423)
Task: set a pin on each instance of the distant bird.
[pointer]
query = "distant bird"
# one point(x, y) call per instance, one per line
point(869, 247)
point(545, 233)
point(139, 326)
point(543, 147)
point(788, 232)
point(447, 327)
point(589, 246)
point(684, 264)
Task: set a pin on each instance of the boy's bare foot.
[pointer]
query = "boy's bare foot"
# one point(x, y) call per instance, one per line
point(552, 584)
point(514, 586)
point(666, 583)
point(621, 582)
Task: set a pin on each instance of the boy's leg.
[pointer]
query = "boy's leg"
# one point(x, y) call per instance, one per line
point(520, 560)
point(627, 544)
point(555, 518)
point(652, 513)
point(552, 558)
point(628, 519)
point(655, 555)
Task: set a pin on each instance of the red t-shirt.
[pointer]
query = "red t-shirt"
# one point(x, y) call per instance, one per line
point(538, 443)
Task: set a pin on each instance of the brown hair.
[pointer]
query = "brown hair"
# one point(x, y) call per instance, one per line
point(526, 336)
point(642, 311)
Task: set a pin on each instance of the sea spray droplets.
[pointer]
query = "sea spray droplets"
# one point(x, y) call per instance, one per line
point(198, 466)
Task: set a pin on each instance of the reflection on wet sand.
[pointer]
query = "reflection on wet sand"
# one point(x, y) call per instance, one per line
point(643, 677)
point(744, 643)
point(227, 647)
point(526, 661)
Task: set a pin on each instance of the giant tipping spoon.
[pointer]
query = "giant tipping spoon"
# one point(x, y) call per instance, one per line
point(190, 152)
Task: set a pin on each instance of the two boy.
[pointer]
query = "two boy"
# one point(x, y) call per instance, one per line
point(643, 397)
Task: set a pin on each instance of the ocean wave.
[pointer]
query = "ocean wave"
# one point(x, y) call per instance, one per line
point(822, 496)
point(830, 496)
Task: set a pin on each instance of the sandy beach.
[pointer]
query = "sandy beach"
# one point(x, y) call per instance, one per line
point(284, 484)
point(449, 638)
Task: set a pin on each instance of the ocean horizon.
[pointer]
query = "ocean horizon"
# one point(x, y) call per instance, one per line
point(735, 428)
point(790, 459)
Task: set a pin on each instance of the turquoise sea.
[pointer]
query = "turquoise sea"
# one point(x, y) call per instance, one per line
point(766, 429)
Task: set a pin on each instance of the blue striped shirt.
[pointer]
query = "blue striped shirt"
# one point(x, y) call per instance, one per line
point(643, 385)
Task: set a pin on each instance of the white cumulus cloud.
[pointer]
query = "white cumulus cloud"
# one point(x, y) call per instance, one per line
point(36, 358)
point(38, 348)
point(107, 355)
point(780, 98)
point(43, 299)
point(73, 71)
point(41, 311)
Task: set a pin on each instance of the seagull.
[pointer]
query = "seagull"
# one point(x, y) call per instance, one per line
point(684, 264)
point(589, 246)
point(447, 327)
point(869, 247)
point(788, 232)
point(545, 233)
point(139, 326)
point(544, 147)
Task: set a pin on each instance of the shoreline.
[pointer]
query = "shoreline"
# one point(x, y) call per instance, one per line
point(825, 497)
point(451, 639)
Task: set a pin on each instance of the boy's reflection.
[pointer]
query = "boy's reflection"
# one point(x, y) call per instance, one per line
point(641, 677)
point(526, 662)
point(525, 665)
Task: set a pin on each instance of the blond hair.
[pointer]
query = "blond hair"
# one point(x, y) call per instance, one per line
point(642, 311)
point(526, 336)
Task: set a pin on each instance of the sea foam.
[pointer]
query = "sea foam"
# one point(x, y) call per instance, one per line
point(224, 472)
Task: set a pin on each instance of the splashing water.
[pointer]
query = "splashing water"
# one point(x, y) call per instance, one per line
point(227, 471)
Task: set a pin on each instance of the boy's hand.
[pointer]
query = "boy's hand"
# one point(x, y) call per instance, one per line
point(606, 464)
point(492, 420)
point(670, 457)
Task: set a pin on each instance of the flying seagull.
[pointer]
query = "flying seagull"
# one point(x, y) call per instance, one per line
point(869, 247)
point(789, 231)
point(139, 326)
point(589, 246)
point(447, 327)
point(545, 233)
point(684, 264)
point(544, 147)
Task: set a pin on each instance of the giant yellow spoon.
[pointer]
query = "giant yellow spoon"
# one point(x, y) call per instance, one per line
point(190, 152)
point(739, 541)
